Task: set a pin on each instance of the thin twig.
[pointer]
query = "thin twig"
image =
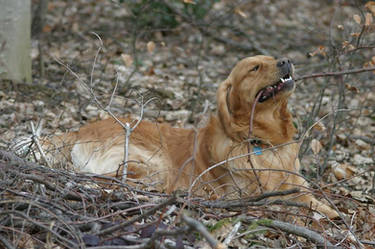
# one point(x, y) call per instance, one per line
point(331, 74)
point(196, 225)
point(232, 233)
point(160, 233)
point(69, 242)
point(368, 242)
point(111, 229)
point(35, 138)
point(247, 201)
point(6, 243)
point(250, 135)
point(128, 131)
point(66, 195)
point(113, 93)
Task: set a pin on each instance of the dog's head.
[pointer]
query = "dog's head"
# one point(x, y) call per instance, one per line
point(261, 81)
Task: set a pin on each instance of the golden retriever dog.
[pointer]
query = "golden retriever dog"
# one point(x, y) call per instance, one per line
point(246, 149)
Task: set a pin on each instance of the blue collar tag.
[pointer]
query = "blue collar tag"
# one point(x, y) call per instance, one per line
point(257, 150)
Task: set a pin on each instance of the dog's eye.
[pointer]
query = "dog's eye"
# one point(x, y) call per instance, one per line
point(254, 68)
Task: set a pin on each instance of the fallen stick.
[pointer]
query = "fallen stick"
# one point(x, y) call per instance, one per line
point(296, 230)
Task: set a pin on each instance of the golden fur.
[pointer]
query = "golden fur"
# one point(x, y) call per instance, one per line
point(171, 158)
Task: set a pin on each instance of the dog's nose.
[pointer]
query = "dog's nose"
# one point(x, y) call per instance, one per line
point(285, 66)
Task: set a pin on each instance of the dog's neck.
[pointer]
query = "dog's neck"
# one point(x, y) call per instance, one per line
point(282, 129)
point(277, 114)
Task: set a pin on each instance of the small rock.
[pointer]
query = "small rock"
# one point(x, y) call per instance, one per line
point(325, 100)
point(364, 121)
point(360, 160)
point(341, 155)
point(341, 137)
point(354, 103)
point(362, 145)
point(218, 49)
point(177, 115)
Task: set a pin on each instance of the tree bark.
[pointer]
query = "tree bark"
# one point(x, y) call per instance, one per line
point(15, 41)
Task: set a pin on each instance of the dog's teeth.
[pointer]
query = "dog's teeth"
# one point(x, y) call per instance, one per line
point(270, 88)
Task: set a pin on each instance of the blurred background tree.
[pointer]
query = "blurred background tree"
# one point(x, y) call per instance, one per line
point(15, 43)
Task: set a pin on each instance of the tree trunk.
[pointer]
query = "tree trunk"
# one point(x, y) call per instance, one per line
point(15, 41)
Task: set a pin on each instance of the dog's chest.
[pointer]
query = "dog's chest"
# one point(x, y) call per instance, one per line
point(263, 158)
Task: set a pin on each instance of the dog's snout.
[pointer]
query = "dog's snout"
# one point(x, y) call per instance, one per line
point(285, 66)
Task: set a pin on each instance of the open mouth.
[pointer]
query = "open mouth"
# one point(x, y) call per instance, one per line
point(284, 83)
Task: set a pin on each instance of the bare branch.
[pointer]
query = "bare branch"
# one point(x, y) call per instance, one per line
point(331, 74)
point(96, 58)
point(113, 93)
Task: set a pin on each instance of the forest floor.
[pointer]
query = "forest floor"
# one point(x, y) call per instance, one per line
point(181, 62)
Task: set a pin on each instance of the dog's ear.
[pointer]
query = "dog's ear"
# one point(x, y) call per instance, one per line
point(222, 98)
point(223, 106)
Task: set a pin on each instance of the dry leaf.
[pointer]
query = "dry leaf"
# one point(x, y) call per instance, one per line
point(371, 6)
point(142, 198)
point(357, 18)
point(342, 171)
point(350, 47)
point(150, 71)
point(351, 88)
point(368, 20)
point(362, 145)
point(239, 12)
point(340, 27)
point(127, 59)
point(355, 34)
point(150, 46)
point(370, 64)
point(317, 217)
point(345, 44)
point(75, 27)
point(319, 126)
point(46, 29)
point(319, 50)
point(316, 146)
point(189, 1)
